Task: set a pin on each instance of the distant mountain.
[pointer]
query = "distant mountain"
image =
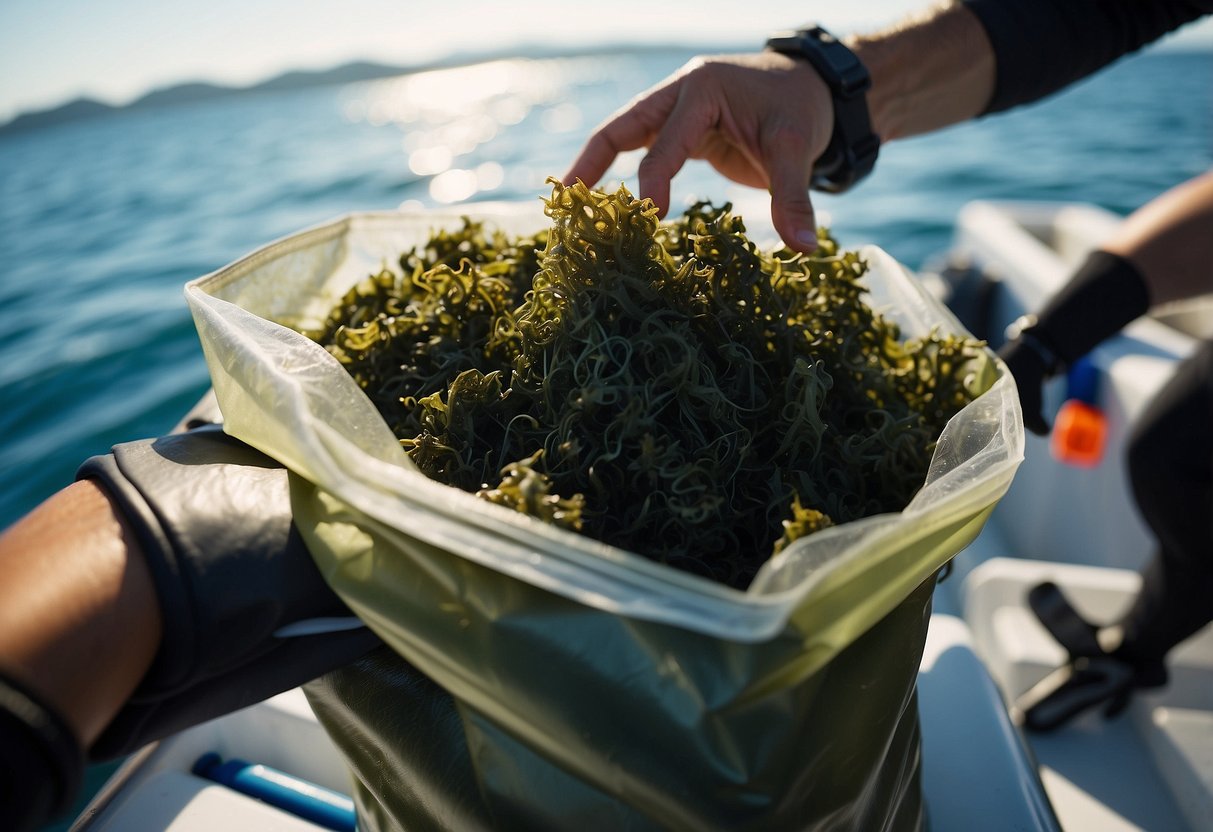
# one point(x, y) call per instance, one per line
point(180, 94)
point(345, 74)
point(82, 108)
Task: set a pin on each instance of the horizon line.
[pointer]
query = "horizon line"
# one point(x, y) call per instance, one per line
point(446, 60)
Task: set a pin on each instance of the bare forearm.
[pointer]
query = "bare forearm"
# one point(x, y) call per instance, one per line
point(79, 620)
point(929, 71)
point(1170, 240)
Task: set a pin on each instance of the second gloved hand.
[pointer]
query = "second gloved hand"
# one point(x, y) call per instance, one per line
point(1105, 294)
point(1030, 373)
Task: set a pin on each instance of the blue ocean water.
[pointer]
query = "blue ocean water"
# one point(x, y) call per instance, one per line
point(102, 221)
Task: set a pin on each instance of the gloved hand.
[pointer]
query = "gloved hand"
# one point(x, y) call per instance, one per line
point(1104, 295)
point(1030, 372)
point(233, 579)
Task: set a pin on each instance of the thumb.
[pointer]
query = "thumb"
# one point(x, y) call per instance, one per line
point(791, 211)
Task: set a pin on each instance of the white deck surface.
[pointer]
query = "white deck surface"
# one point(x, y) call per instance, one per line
point(1151, 768)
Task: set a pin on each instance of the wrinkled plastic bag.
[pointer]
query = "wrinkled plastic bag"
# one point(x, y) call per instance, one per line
point(587, 686)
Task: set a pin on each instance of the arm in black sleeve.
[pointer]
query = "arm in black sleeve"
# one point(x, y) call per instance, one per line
point(1041, 46)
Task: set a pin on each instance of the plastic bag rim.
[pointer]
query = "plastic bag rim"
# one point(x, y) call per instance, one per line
point(578, 551)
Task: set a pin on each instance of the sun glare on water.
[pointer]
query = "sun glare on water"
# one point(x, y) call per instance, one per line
point(446, 114)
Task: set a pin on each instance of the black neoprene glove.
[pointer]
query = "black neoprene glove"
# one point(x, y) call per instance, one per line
point(1030, 372)
point(231, 572)
point(1106, 294)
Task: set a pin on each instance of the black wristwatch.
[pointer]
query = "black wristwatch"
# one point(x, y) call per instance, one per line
point(853, 147)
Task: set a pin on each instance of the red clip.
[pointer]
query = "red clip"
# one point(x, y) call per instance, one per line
point(1079, 434)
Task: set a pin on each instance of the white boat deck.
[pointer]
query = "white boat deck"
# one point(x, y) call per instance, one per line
point(154, 791)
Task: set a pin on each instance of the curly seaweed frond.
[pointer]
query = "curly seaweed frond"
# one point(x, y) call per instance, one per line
point(802, 523)
point(527, 490)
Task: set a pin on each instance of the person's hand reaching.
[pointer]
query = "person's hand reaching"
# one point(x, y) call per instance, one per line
point(761, 120)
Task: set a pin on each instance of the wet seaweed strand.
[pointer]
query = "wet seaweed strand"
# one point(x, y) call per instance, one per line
point(664, 387)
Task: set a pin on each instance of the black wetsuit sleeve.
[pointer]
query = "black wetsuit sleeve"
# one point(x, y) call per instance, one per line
point(41, 761)
point(1042, 46)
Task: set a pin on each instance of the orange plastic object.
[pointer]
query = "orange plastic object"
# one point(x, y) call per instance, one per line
point(1079, 434)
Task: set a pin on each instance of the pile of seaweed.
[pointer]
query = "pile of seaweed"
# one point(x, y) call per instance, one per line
point(663, 387)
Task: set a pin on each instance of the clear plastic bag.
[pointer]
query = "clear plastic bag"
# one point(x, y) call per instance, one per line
point(557, 641)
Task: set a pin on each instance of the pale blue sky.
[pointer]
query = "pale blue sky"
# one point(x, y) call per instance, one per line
point(115, 50)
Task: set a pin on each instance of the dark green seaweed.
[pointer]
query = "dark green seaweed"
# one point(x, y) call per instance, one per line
point(664, 387)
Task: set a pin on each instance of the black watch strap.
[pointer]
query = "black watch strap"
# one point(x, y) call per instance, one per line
point(853, 148)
